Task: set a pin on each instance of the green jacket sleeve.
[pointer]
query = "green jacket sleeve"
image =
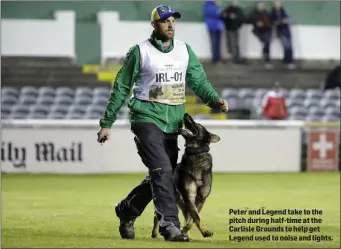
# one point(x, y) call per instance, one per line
point(197, 80)
point(122, 86)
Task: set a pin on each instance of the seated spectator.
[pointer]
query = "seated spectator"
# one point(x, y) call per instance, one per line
point(262, 29)
point(273, 104)
point(233, 18)
point(215, 26)
point(280, 19)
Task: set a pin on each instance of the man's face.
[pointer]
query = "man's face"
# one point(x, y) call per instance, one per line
point(166, 29)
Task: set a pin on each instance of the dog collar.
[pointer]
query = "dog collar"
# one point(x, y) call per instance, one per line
point(196, 151)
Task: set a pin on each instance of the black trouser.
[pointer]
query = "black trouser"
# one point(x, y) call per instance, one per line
point(215, 37)
point(159, 152)
point(265, 38)
point(232, 39)
point(287, 46)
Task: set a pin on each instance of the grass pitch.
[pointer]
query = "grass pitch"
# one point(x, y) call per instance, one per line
point(77, 211)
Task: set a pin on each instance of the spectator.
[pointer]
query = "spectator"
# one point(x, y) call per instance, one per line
point(233, 18)
point(262, 29)
point(280, 19)
point(273, 104)
point(215, 27)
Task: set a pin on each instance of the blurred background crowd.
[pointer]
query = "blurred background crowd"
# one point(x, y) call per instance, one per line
point(38, 82)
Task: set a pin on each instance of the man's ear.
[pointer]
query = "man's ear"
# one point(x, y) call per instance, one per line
point(153, 24)
point(214, 138)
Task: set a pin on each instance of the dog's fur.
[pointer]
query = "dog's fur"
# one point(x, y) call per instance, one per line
point(193, 175)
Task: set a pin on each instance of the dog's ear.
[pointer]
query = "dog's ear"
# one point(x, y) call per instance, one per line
point(214, 138)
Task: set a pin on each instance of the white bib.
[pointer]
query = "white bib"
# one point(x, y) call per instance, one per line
point(163, 75)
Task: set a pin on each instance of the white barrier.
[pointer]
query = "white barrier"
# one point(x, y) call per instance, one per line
point(69, 146)
point(29, 37)
point(309, 42)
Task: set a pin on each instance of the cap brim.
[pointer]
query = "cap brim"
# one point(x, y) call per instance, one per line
point(176, 15)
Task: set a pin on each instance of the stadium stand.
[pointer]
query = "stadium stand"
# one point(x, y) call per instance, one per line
point(89, 103)
point(307, 75)
point(56, 88)
point(55, 72)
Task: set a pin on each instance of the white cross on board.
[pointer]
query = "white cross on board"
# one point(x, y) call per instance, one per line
point(322, 145)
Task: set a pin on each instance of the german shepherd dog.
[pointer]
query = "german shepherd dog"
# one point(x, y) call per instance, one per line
point(193, 175)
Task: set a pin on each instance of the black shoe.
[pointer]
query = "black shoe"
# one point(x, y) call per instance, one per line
point(178, 238)
point(126, 227)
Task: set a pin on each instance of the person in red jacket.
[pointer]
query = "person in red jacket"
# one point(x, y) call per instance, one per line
point(273, 104)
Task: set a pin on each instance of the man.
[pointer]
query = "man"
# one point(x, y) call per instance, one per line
point(280, 19)
point(157, 69)
point(233, 18)
point(262, 29)
point(273, 104)
point(215, 26)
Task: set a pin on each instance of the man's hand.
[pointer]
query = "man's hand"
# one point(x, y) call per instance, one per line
point(103, 135)
point(223, 105)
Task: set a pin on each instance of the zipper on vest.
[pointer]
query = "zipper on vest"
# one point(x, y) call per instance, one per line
point(166, 118)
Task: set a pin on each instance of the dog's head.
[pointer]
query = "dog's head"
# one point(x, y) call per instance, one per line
point(196, 134)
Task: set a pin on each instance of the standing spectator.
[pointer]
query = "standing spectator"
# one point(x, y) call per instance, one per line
point(280, 19)
point(262, 29)
point(273, 104)
point(233, 18)
point(215, 27)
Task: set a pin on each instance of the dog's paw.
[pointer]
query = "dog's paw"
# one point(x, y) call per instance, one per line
point(207, 234)
point(154, 235)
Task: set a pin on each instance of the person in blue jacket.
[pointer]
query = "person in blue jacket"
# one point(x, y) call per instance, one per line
point(215, 27)
point(280, 19)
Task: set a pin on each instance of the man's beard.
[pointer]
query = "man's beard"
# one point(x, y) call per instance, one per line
point(164, 36)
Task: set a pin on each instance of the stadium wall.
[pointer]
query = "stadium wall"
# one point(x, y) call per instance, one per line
point(58, 39)
point(302, 12)
point(316, 29)
point(42, 38)
point(310, 42)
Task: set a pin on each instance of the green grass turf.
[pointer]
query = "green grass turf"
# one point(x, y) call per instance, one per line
point(77, 211)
